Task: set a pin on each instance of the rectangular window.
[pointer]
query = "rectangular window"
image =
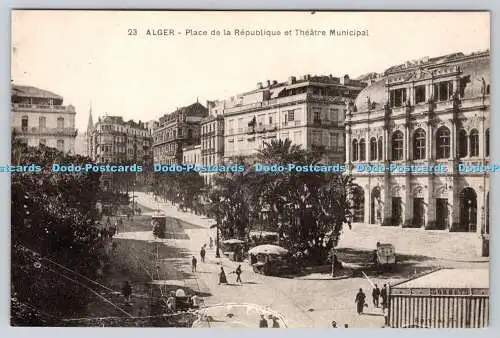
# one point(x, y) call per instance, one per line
point(42, 123)
point(60, 145)
point(317, 117)
point(443, 90)
point(297, 137)
point(334, 114)
point(398, 97)
point(419, 94)
point(60, 123)
point(291, 115)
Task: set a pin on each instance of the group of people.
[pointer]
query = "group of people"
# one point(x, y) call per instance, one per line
point(111, 230)
point(263, 323)
point(377, 295)
point(178, 300)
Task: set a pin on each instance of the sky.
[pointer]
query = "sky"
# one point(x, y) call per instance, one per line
point(89, 58)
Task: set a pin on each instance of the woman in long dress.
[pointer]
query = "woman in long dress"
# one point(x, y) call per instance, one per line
point(222, 276)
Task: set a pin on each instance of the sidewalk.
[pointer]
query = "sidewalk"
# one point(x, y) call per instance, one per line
point(451, 246)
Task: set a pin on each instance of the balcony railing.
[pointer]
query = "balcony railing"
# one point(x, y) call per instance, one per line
point(42, 107)
point(46, 131)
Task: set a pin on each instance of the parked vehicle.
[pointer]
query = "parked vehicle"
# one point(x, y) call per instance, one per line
point(385, 255)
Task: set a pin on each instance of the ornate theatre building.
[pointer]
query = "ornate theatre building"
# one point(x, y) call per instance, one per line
point(424, 113)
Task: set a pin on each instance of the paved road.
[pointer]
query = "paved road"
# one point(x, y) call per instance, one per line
point(304, 303)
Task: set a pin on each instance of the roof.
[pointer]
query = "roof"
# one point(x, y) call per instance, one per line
point(29, 91)
point(451, 279)
point(475, 66)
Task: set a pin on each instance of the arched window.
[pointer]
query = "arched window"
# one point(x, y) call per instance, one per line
point(462, 144)
point(397, 146)
point(380, 148)
point(362, 150)
point(487, 142)
point(474, 143)
point(355, 150)
point(419, 144)
point(443, 143)
point(373, 149)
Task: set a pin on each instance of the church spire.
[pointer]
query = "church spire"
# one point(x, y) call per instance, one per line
point(90, 124)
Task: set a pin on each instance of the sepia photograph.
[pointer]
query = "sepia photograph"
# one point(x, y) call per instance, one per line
point(250, 169)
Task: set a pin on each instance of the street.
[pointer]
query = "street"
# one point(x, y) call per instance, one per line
point(310, 301)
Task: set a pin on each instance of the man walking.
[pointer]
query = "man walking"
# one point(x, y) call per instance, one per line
point(202, 254)
point(127, 291)
point(263, 322)
point(238, 272)
point(194, 261)
point(360, 301)
point(383, 295)
point(376, 295)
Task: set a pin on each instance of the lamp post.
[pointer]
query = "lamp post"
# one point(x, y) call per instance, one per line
point(217, 253)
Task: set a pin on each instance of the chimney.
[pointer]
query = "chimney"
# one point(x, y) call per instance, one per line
point(259, 85)
point(292, 80)
point(275, 82)
point(268, 83)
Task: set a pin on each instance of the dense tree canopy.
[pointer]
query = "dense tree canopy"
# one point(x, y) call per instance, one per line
point(307, 209)
point(52, 214)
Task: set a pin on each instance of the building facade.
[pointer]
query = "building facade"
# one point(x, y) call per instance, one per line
point(429, 112)
point(308, 111)
point(191, 155)
point(39, 117)
point(177, 130)
point(212, 137)
point(113, 140)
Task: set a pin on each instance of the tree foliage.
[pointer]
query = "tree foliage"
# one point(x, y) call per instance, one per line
point(307, 209)
point(52, 214)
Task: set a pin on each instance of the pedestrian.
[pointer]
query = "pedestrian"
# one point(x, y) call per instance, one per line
point(202, 254)
point(376, 295)
point(222, 276)
point(193, 264)
point(127, 291)
point(263, 322)
point(211, 244)
point(360, 301)
point(171, 302)
point(276, 325)
point(238, 272)
point(196, 301)
point(386, 317)
point(383, 295)
point(334, 324)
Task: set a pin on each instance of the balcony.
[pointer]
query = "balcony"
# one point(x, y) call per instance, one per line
point(42, 108)
point(46, 131)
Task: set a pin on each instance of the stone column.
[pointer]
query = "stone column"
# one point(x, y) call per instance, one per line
point(468, 145)
point(387, 198)
point(482, 138)
point(430, 204)
point(428, 142)
point(348, 158)
point(481, 209)
point(368, 196)
point(454, 201)
point(408, 203)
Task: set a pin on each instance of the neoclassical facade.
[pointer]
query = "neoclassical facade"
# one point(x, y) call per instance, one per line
point(429, 112)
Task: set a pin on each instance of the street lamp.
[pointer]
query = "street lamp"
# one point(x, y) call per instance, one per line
point(217, 253)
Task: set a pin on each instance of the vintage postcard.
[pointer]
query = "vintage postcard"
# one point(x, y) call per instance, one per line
point(214, 169)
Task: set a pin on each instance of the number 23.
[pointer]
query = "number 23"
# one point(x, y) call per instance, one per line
point(132, 31)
